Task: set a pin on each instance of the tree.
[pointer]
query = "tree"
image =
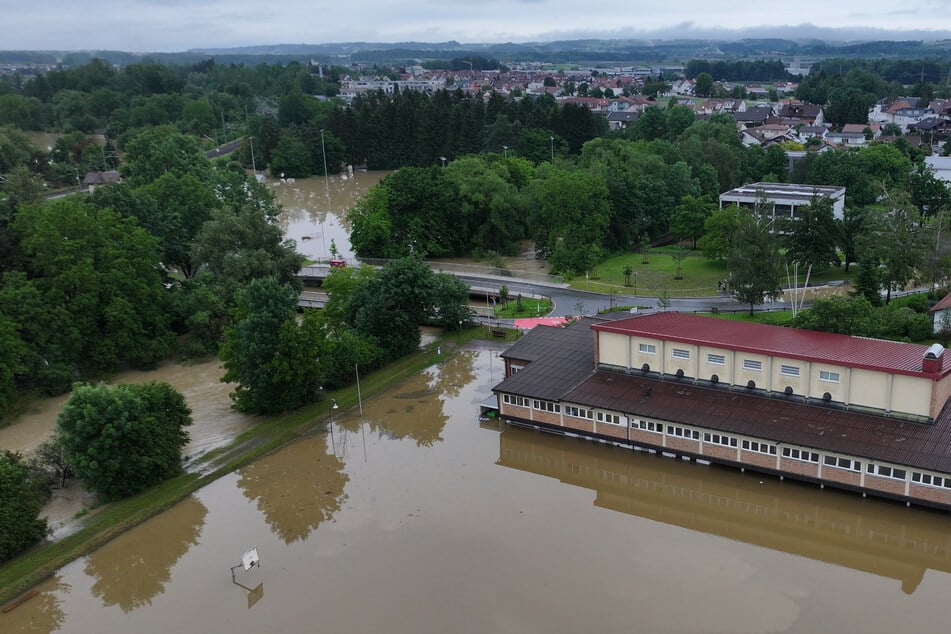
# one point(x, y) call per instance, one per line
point(703, 86)
point(52, 459)
point(687, 221)
point(124, 438)
point(846, 316)
point(679, 254)
point(754, 262)
point(274, 362)
point(21, 498)
point(810, 239)
point(719, 232)
point(628, 271)
point(156, 151)
point(895, 241)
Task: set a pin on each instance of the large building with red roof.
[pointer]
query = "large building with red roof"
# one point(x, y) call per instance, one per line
point(857, 413)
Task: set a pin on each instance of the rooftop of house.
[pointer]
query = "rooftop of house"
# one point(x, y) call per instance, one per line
point(786, 191)
point(807, 345)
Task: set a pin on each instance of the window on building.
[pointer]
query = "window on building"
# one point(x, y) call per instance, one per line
point(789, 370)
point(578, 412)
point(886, 471)
point(683, 432)
point(719, 439)
point(759, 447)
point(800, 454)
point(826, 375)
point(647, 348)
point(751, 364)
point(842, 463)
point(613, 419)
point(648, 425)
point(716, 359)
point(679, 353)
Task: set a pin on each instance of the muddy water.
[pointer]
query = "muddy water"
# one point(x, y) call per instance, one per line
point(415, 517)
point(313, 219)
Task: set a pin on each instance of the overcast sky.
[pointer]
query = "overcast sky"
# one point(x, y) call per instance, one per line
point(177, 25)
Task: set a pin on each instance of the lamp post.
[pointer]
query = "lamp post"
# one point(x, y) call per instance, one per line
point(443, 159)
point(505, 149)
point(323, 151)
point(552, 139)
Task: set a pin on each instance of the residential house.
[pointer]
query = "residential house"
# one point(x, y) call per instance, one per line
point(798, 112)
point(95, 179)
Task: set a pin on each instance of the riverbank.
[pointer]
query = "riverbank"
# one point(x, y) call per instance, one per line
point(22, 573)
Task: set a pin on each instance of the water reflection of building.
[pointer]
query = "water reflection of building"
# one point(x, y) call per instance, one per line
point(882, 539)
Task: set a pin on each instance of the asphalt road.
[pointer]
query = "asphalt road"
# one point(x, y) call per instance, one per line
point(568, 301)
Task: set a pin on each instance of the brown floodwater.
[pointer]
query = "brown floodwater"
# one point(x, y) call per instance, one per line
point(313, 219)
point(417, 517)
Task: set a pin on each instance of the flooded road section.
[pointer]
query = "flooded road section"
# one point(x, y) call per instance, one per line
point(315, 210)
point(415, 517)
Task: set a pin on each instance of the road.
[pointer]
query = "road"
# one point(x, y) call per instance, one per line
point(568, 301)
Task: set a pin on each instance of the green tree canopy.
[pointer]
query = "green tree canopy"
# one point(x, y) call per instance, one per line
point(125, 438)
point(754, 262)
point(21, 498)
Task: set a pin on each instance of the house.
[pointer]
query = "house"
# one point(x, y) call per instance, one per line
point(941, 314)
point(853, 413)
point(798, 112)
point(848, 139)
point(619, 120)
point(783, 200)
point(941, 165)
point(95, 179)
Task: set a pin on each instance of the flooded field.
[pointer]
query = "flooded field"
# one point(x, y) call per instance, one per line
point(417, 517)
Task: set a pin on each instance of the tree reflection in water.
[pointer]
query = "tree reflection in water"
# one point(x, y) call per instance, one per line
point(43, 613)
point(296, 490)
point(416, 410)
point(134, 567)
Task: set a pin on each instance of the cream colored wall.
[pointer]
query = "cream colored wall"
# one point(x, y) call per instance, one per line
point(613, 349)
point(911, 394)
point(743, 376)
point(672, 364)
point(706, 370)
point(779, 381)
point(839, 391)
point(655, 361)
point(867, 388)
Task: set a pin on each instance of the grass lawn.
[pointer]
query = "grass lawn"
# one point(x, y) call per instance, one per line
point(699, 275)
point(530, 308)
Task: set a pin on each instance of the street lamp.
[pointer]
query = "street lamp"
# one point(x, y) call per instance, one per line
point(552, 139)
point(505, 149)
point(323, 150)
point(443, 159)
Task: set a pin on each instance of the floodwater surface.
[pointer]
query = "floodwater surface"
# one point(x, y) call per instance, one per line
point(315, 210)
point(414, 516)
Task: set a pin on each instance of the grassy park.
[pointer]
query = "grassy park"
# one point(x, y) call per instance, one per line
point(658, 271)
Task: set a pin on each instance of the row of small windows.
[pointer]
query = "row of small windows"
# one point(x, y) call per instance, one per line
point(683, 432)
point(577, 412)
point(930, 480)
point(759, 447)
point(729, 441)
point(546, 406)
point(800, 454)
point(748, 364)
point(886, 472)
point(718, 439)
point(843, 463)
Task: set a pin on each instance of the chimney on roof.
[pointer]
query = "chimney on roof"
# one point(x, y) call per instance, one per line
point(933, 359)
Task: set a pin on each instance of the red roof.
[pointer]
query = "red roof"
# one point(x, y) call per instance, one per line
point(807, 345)
point(944, 303)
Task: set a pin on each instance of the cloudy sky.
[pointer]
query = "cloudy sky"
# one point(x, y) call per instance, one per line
point(177, 25)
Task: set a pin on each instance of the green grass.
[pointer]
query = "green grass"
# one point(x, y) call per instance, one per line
point(699, 275)
point(111, 520)
point(530, 308)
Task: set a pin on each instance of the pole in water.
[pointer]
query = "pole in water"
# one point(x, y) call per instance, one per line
point(356, 371)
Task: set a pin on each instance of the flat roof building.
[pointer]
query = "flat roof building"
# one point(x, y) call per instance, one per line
point(783, 200)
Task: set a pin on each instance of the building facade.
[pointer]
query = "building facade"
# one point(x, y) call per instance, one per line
point(859, 414)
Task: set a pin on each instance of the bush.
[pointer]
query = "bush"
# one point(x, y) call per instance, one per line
point(21, 498)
